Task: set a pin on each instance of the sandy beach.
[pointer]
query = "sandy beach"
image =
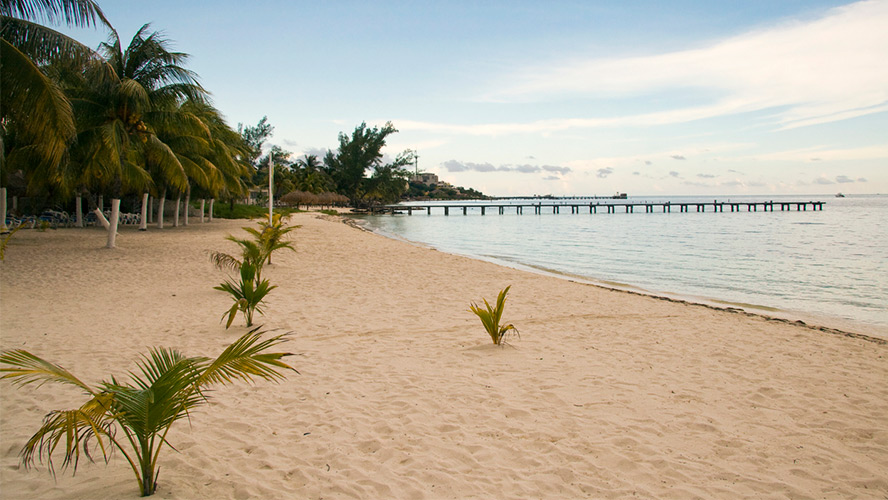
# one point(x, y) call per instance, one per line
point(606, 394)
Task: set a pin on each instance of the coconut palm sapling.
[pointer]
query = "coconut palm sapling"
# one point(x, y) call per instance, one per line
point(491, 316)
point(135, 417)
point(249, 292)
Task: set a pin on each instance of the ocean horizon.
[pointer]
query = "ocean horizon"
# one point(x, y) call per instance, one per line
point(827, 267)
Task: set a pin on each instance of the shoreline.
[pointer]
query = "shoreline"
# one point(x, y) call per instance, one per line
point(841, 326)
point(400, 394)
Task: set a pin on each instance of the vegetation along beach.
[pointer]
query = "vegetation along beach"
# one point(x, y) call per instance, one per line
point(444, 301)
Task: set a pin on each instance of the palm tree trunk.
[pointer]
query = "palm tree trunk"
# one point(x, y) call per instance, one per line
point(187, 204)
point(143, 216)
point(202, 203)
point(212, 200)
point(150, 207)
point(101, 218)
point(160, 202)
point(101, 204)
point(176, 212)
point(148, 476)
point(3, 227)
point(78, 209)
point(115, 218)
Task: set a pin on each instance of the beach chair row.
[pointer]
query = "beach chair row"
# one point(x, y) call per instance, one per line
point(56, 219)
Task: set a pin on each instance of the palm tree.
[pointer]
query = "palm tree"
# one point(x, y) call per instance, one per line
point(208, 149)
point(310, 177)
point(122, 105)
point(36, 120)
point(135, 418)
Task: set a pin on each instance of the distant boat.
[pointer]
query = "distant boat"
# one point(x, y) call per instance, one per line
point(839, 195)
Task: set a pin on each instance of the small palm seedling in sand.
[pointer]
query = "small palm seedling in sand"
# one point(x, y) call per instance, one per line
point(491, 317)
point(271, 237)
point(258, 250)
point(248, 293)
point(135, 418)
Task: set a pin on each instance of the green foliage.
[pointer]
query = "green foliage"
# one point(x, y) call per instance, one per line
point(240, 211)
point(248, 294)
point(135, 417)
point(4, 240)
point(271, 237)
point(418, 191)
point(360, 154)
point(255, 137)
point(491, 317)
point(122, 119)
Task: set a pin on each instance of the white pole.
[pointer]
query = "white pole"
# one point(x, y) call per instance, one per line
point(270, 188)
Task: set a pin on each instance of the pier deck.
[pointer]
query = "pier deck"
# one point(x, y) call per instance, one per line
point(593, 208)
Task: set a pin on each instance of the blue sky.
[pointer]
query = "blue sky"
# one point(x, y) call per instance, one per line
point(559, 97)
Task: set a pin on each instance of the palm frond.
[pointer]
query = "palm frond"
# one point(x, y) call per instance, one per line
point(81, 13)
point(246, 358)
point(224, 261)
point(29, 369)
point(33, 102)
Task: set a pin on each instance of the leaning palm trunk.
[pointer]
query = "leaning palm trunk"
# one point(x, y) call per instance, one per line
point(143, 215)
point(136, 418)
point(212, 200)
point(100, 216)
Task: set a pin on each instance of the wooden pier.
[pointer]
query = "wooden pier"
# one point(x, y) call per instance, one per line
point(593, 208)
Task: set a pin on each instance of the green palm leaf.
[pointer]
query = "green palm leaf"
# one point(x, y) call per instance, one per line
point(29, 369)
point(492, 316)
point(165, 389)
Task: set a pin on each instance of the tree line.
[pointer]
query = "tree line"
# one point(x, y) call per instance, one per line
point(78, 124)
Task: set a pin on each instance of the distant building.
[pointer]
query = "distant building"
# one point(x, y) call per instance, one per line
point(425, 178)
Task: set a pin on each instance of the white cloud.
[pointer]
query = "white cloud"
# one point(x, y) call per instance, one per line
point(459, 166)
point(828, 69)
point(602, 173)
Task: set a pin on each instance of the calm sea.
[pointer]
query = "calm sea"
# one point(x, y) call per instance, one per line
point(828, 266)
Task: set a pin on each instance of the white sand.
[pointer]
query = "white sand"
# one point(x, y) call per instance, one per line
point(605, 395)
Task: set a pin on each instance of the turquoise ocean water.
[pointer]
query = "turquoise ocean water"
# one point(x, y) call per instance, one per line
point(829, 266)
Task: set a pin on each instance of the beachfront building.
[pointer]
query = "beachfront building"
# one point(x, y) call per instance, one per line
point(426, 178)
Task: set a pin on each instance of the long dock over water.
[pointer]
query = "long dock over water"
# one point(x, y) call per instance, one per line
point(593, 208)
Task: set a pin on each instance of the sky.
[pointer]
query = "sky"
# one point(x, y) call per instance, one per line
point(558, 97)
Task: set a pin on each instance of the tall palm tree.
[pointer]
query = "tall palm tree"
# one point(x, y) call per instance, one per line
point(121, 106)
point(228, 152)
point(310, 177)
point(209, 150)
point(36, 120)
